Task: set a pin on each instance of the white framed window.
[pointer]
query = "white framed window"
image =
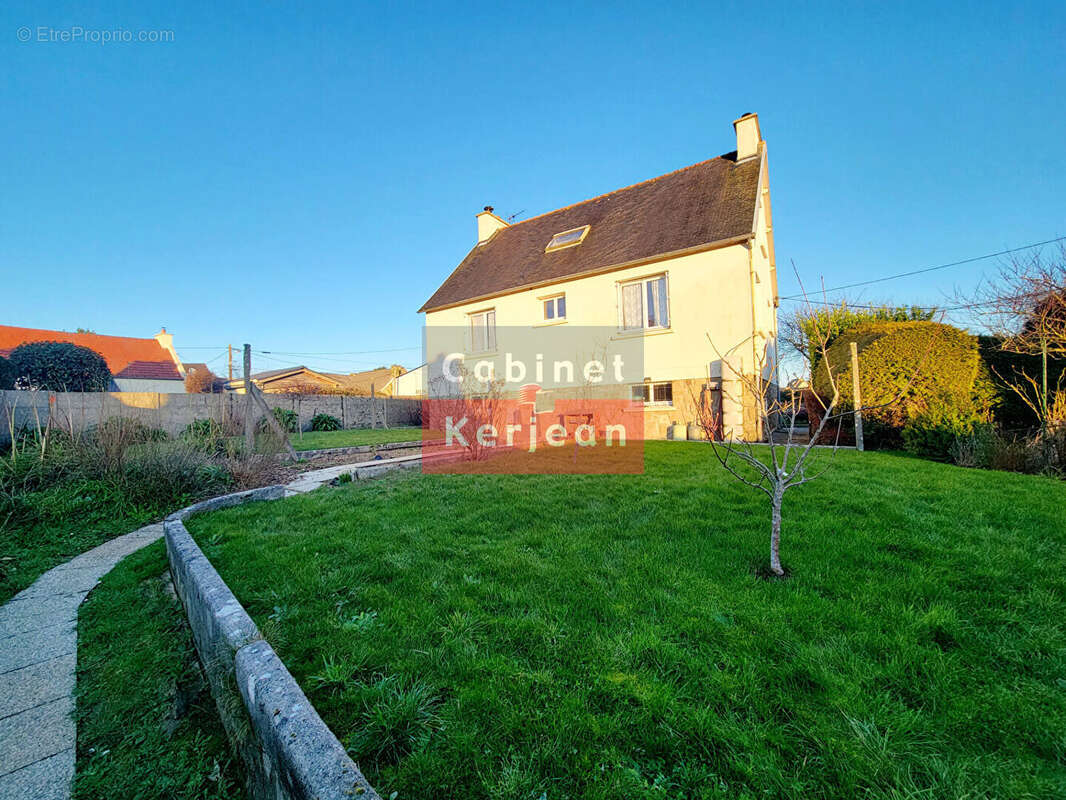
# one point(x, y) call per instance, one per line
point(644, 304)
point(483, 331)
point(567, 238)
point(655, 394)
point(555, 308)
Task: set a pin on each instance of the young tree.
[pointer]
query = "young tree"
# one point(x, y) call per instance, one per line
point(59, 367)
point(789, 463)
point(469, 406)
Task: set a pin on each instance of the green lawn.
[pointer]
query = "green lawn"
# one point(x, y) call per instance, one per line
point(320, 440)
point(146, 726)
point(611, 636)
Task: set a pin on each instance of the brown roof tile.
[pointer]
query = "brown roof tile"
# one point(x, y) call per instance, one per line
point(698, 205)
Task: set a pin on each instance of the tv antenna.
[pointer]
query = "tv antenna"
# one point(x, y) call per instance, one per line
point(515, 214)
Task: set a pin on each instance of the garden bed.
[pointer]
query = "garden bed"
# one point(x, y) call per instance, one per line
point(612, 636)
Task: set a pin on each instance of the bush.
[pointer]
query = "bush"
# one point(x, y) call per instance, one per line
point(132, 431)
point(288, 420)
point(206, 435)
point(934, 370)
point(988, 447)
point(170, 475)
point(59, 367)
point(935, 434)
point(325, 422)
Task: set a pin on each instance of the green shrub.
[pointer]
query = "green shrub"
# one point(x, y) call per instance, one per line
point(206, 435)
point(202, 429)
point(934, 435)
point(325, 422)
point(287, 419)
point(59, 367)
point(832, 322)
point(909, 371)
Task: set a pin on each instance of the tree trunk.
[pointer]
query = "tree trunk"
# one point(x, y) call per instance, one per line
point(775, 533)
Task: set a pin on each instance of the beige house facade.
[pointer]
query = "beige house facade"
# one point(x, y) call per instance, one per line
point(683, 263)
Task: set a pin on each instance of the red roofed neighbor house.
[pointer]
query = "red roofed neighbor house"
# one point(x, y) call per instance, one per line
point(137, 365)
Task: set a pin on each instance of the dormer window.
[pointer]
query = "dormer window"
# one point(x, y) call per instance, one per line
point(567, 238)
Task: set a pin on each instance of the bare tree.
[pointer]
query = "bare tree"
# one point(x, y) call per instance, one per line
point(200, 381)
point(1024, 305)
point(790, 461)
point(469, 406)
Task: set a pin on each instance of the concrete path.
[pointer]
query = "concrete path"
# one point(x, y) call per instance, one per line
point(38, 654)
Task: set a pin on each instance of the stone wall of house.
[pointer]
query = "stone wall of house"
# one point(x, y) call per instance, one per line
point(79, 411)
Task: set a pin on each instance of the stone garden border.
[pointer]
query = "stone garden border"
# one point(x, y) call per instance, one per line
point(286, 749)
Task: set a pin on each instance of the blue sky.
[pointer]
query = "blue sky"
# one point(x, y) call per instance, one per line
point(303, 176)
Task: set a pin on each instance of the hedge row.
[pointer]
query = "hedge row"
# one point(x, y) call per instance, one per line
point(908, 370)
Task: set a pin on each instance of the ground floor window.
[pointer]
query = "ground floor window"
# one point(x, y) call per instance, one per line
point(653, 393)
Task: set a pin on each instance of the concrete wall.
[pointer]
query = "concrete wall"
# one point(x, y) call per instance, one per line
point(172, 412)
point(148, 385)
point(287, 751)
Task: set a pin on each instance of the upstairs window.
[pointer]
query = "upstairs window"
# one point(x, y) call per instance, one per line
point(555, 308)
point(644, 304)
point(483, 331)
point(567, 238)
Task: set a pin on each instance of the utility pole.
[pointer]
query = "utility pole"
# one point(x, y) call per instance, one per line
point(229, 347)
point(249, 427)
point(857, 396)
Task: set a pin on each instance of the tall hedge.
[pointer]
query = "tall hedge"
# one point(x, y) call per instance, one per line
point(1011, 411)
point(59, 367)
point(935, 369)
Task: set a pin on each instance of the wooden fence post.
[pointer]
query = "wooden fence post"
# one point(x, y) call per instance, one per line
point(249, 428)
point(857, 395)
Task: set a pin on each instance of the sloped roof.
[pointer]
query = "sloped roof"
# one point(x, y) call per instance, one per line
point(360, 381)
point(126, 357)
point(703, 204)
point(352, 382)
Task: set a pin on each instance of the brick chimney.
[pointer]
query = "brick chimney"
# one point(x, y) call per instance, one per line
point(487, 224)
point(748, 136)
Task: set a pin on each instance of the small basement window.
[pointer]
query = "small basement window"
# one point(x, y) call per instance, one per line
point(567, 238)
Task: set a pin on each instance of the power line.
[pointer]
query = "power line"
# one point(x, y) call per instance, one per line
point(931, 269)
point(341, 352)
point(961, 307)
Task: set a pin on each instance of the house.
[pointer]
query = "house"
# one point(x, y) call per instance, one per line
point(683, 264)
point(410, 383)
point(302, 380)
point(137, 365)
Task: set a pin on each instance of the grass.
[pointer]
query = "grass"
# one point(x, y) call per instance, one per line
point(55, 508)
point(147, 727)
point(355, 437)
point(614, 636)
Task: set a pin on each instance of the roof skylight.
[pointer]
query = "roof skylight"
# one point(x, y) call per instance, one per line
point(567, 238)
